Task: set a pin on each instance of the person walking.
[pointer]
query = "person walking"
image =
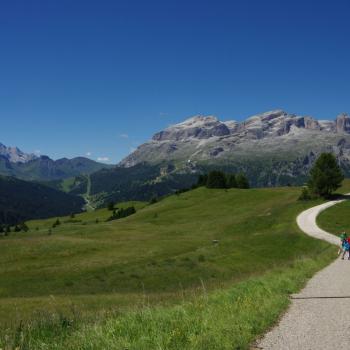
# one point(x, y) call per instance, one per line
point(343, 237)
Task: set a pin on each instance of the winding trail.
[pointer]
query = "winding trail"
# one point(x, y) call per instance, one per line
point(319, 315)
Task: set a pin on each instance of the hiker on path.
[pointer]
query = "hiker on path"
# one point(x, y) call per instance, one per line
point(345, 245)
point(342, 237)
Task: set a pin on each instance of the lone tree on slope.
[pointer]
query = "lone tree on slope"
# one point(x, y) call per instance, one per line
point(325, 176)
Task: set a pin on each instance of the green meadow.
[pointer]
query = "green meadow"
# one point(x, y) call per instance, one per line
point(206, 269)
point(336, 219)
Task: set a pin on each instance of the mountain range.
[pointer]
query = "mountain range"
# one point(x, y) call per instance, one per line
point(272, 148)
point(14, 162)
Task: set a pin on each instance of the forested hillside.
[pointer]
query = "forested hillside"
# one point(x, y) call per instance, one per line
point(21, 200)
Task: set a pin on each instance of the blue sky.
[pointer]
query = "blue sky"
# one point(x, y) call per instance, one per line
point(103, 76)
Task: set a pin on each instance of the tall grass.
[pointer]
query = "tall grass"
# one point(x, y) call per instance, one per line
point(228, 319)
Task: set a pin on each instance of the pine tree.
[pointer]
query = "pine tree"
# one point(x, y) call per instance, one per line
point(325, 175)
point(56, 223)
point(24, 227)
point(7, 230)
point(153, 200)
point(242, 181)
point(110, 206)
point(231, 181)
point(202, 180)
point(216, 179)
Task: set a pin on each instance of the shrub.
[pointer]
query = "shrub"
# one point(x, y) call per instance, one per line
point(305, 194)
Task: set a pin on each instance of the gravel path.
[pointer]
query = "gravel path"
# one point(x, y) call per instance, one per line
point(319, 316)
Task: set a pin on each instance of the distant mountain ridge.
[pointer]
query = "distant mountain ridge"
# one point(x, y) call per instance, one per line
point(22, 200)
point(14, 162)
point(206, 138)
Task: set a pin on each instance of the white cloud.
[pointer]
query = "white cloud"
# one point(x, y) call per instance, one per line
point(132, 149)
point(103, 159)
point(124, 136)
point(88, 154)
point(37, 152)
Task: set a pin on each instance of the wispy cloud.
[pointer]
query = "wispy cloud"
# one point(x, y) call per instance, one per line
point(103, 159)
point(88, 154)
point(124, 136)
point(37, 152)
point(132, 149)
point(163, 114)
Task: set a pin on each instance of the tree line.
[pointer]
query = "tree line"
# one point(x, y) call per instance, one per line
point(119, 213)
point(7, 229)
point(219, 179)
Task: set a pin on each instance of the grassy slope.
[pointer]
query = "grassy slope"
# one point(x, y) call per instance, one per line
point(164, 253)
point(336, 219)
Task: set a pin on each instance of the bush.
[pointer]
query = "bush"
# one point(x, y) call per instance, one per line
point(305, 194)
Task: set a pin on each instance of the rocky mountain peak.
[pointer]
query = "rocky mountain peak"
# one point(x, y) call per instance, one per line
point(199, 127)
point(207, 138)
point(343, 123)
point(15, 155)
